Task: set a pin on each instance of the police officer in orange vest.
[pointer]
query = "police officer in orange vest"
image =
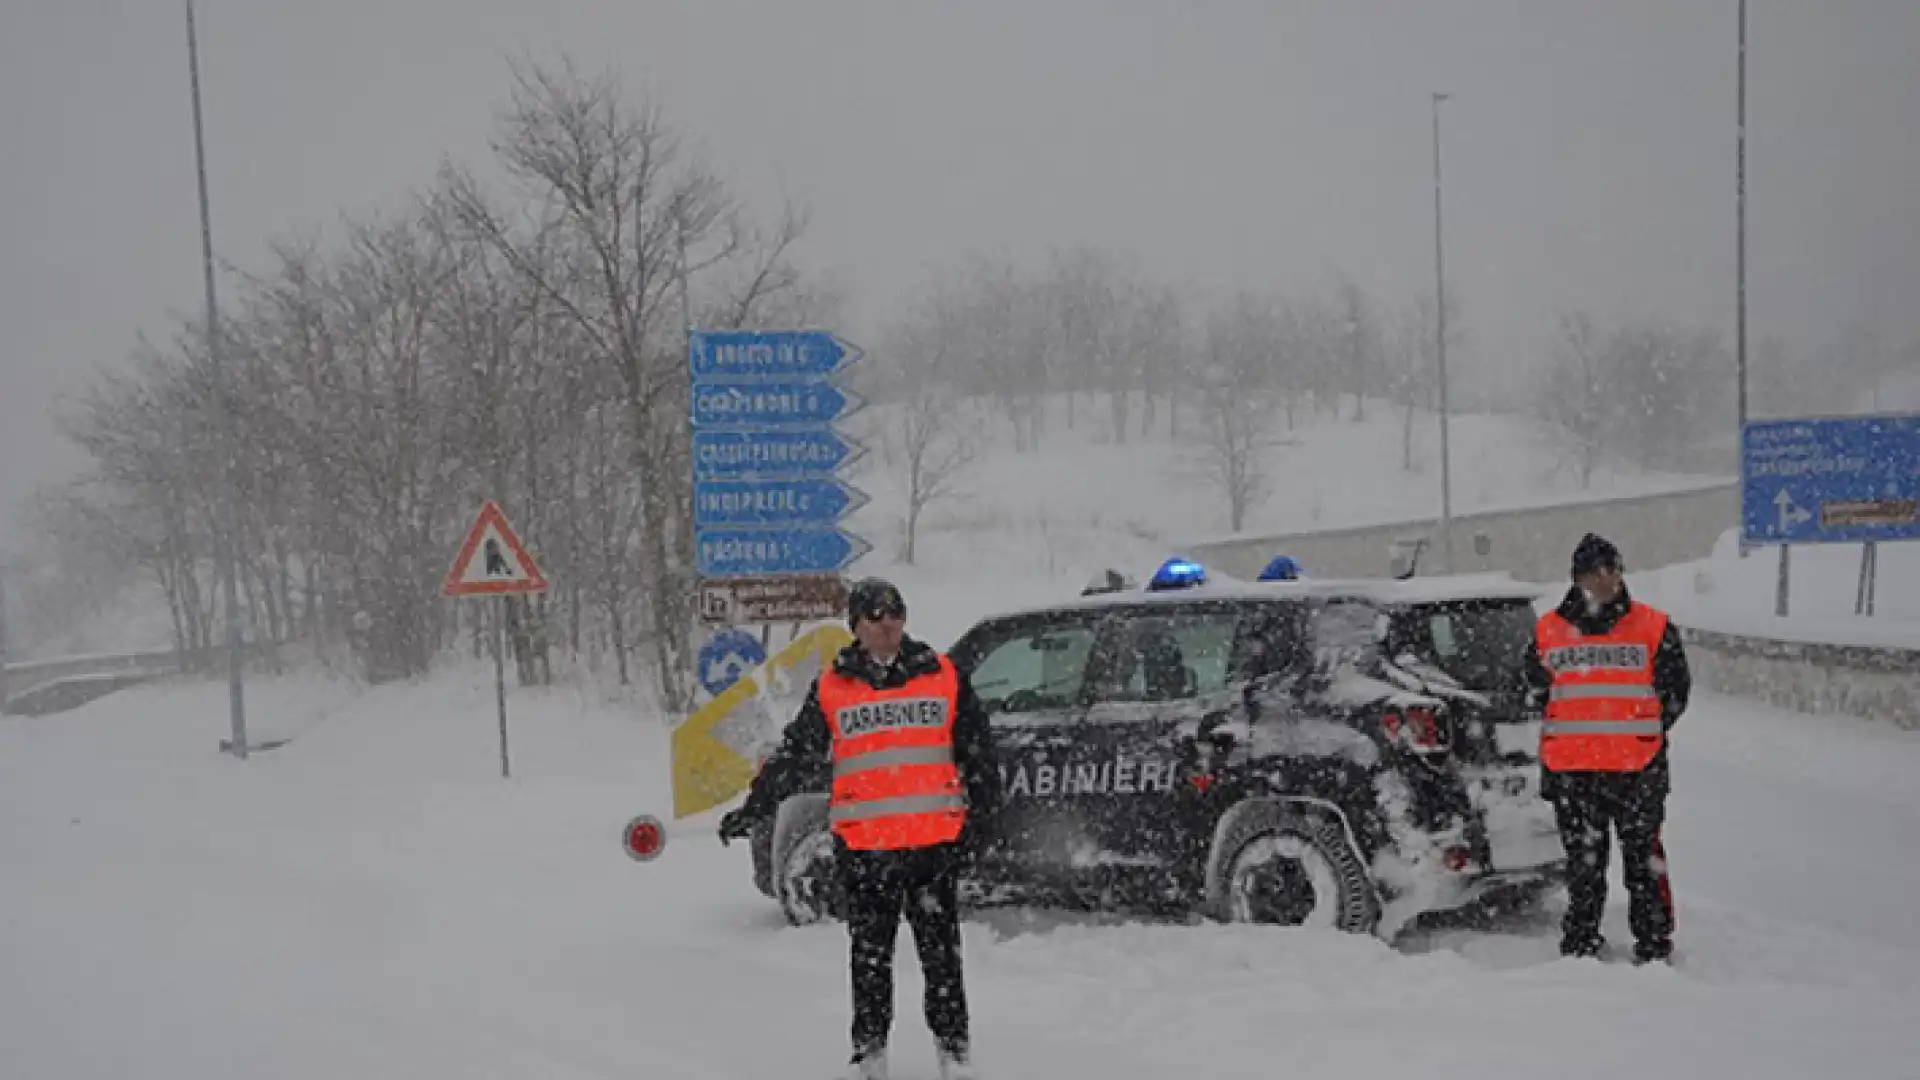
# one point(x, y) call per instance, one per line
point(1615, 679)
point(914, 782)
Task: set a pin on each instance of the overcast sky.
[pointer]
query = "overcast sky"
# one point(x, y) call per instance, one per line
point(1588, 147)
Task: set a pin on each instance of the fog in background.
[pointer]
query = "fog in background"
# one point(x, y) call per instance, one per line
point(1588, 150)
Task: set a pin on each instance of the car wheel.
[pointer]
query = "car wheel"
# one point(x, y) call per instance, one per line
point(760, 844)
point(805, 881)
point(1276, 866)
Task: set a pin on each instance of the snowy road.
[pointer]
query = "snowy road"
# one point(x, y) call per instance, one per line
point(374, 901)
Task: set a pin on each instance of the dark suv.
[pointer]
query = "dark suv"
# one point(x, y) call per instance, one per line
point(1351, 754)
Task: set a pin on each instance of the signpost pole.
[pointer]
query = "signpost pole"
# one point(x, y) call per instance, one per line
point(493, 562)
point(1780, 584)
point(500, 674)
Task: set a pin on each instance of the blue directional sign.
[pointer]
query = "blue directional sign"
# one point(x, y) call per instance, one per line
point(774, 502)
point(738, 552)
point(770, 403)
point(733, 354)
point(726, 657)
point(1831, 480)
point(767, 491)
point(729, 455)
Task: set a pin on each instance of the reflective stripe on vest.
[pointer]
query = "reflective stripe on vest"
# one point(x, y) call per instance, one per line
point(895, 783)
point(905, 804)
point(1601, 690)
point(880, 759)
point(1603, 712)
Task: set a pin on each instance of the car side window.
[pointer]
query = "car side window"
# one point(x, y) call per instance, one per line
point(1033, 668)
point(1344, 631)
point(1168, 656)
point(1272, 641)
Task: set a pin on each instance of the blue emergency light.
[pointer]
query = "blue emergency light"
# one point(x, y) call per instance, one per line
point(1283, 568)
point(1177, 573)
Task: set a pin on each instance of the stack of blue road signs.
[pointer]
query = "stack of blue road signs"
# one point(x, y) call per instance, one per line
point(767, 459)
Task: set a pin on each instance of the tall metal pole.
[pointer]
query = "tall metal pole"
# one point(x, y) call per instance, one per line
point(1740, 219)
point(229, 539)
point(4, 655)
point(1440, 349)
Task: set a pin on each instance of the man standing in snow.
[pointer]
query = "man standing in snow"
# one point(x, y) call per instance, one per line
point(1616, 679)
point(914, 782)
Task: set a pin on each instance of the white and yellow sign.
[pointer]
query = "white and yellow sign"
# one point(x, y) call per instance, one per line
point(716, 750)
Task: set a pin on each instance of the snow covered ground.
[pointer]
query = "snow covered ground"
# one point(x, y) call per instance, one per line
point(1734, 595)
point(373, 900)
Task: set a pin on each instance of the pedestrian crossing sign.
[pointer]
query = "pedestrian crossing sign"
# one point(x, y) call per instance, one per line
point(492, 560)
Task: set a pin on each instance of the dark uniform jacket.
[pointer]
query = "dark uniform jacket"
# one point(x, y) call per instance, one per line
point(806, 748)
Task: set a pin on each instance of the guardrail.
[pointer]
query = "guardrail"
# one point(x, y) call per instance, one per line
point(39, 687)
point(1872, 682)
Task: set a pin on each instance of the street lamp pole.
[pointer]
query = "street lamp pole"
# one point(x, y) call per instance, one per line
point(229, 539)
point(1440, 350)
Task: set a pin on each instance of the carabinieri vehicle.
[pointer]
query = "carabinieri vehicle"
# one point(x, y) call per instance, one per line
point(1342, 753)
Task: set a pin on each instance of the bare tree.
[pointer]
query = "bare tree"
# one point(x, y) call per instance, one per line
point(926, 430)
point(1574, 392)
point(1234, 406)
point(1413, 376)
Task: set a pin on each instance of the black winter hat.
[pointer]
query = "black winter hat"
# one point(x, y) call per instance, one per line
point(1594, 552)
point(873, 597)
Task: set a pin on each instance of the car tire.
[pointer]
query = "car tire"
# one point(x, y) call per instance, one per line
point(760, 845)
point(1276, 864)
point(804, 880)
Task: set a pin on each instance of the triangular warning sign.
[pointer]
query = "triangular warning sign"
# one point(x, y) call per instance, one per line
point(493, 560)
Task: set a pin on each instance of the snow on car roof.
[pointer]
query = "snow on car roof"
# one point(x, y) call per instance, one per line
point(1496, 585)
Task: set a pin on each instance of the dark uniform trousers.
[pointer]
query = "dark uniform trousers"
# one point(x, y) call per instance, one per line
point(878, 887)
point(1588, 807)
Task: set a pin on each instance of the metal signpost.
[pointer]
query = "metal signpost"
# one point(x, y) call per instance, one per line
point(768, 492)
point(493, 562)
point(1830, 480)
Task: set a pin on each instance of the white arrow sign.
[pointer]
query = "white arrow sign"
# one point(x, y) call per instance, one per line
point(1790, 515)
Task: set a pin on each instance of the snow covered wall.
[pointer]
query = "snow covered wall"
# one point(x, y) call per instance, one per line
point(1532, 543)
point(1873, 682)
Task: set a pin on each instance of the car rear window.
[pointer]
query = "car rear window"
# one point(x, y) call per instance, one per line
point(1482, 643)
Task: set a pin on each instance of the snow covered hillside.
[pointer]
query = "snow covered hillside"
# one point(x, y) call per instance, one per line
point(1049, 520)
point(372, 900)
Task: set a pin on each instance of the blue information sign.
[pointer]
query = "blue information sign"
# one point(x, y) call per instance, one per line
point(775, 502)
point(732, 354)
point(730, 455)
point(767, 491)
point(1830, 480)
point(775, 552)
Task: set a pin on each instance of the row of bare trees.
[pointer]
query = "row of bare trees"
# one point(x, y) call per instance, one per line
point(1137, 357)
point(521, 341)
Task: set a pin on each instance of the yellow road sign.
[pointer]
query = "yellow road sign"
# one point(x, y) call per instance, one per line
point(715, 749)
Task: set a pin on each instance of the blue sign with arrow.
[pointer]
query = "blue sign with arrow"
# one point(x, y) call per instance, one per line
point(732, 354)
point(771, 403)
point(729, 455)
point(768, 494)
point(1830, 480)
point(739, 552)
point(726, 657)
point(774, 502)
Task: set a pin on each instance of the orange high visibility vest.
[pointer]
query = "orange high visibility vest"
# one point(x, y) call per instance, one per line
point(1602, 711)
point(895, 784)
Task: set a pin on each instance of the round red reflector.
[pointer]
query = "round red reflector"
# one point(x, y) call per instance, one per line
point(645, 838)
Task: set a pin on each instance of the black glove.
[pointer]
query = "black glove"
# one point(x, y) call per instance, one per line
point(734, 825)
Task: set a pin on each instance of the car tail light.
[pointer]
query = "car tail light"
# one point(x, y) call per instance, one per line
point(1457, 859)
point(1417, 728)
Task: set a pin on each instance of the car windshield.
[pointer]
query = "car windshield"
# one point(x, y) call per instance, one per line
point(1481, 643)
